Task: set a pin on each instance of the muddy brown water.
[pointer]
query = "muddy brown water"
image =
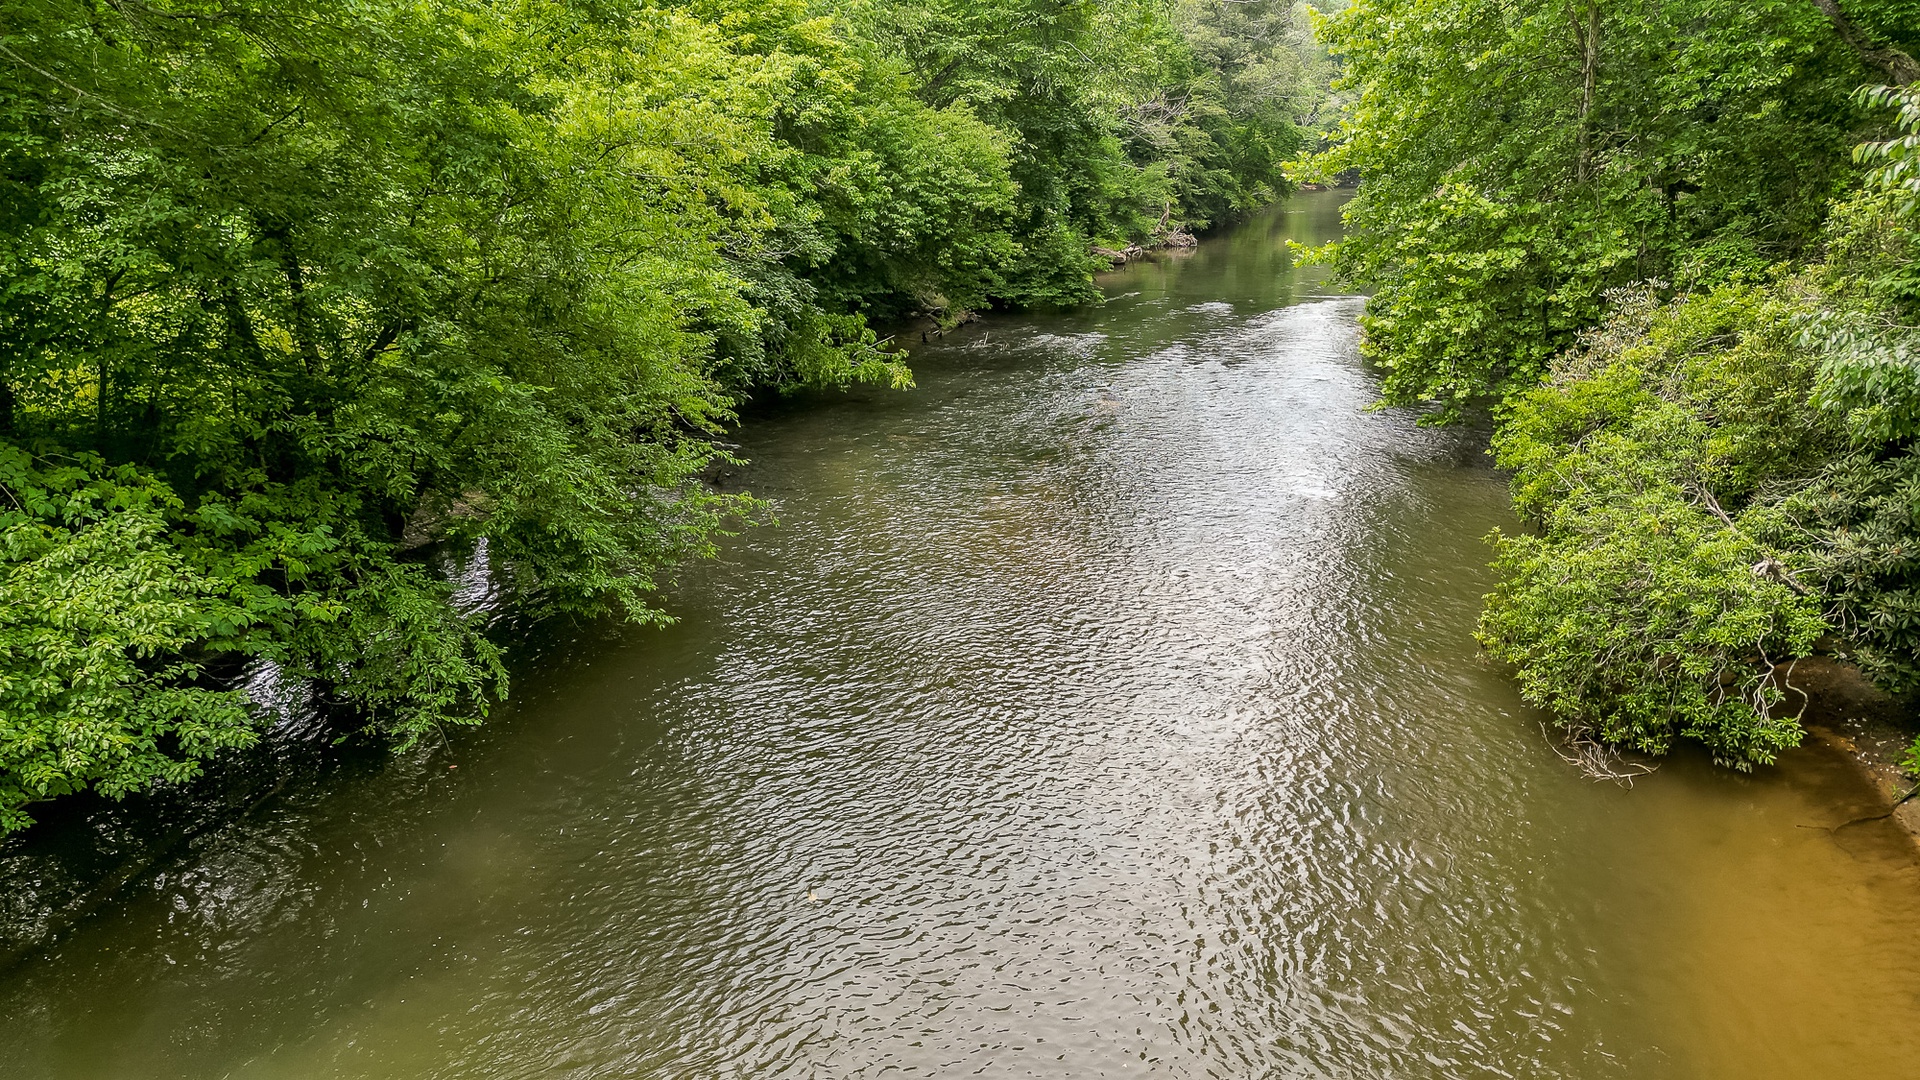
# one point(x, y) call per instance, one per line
point(1106, 706)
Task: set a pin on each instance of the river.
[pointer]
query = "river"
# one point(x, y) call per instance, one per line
point(1106, 706)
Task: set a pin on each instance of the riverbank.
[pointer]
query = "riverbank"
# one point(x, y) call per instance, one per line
point(1849, 715)
point(87, 850)
point(1166, 239)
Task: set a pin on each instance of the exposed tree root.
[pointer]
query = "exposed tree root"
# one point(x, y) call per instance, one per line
point(1597, 761)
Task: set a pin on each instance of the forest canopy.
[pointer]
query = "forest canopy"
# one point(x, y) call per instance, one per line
point(308, 304)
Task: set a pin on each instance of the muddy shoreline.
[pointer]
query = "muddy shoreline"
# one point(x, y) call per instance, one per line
point(1848, 715)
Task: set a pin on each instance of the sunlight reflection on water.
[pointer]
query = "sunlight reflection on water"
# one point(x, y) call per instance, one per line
point(1107, 706)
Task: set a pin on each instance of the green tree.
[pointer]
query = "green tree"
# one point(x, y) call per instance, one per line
point(1517, 162)
point(1720, 481)
point(301, 301)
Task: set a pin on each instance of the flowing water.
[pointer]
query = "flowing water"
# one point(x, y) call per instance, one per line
point(1106, 706)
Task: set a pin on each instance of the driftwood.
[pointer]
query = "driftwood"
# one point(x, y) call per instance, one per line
point(939, 331)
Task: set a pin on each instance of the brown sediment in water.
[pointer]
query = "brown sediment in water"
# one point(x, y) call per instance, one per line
point(1845, 713)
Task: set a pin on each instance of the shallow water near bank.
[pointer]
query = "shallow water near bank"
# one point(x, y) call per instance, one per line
point(1106, 706)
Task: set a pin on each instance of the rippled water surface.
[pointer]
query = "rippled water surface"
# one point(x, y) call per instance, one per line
point(1106, 706)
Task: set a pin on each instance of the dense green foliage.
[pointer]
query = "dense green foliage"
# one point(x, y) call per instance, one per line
point(1637, 611)
point(1717, 490)
point(304, 304)
point(1519, 161)
point(1674, 245)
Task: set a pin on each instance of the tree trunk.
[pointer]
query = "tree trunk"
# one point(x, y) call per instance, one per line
point(1900, 68)
point(1586, 35)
